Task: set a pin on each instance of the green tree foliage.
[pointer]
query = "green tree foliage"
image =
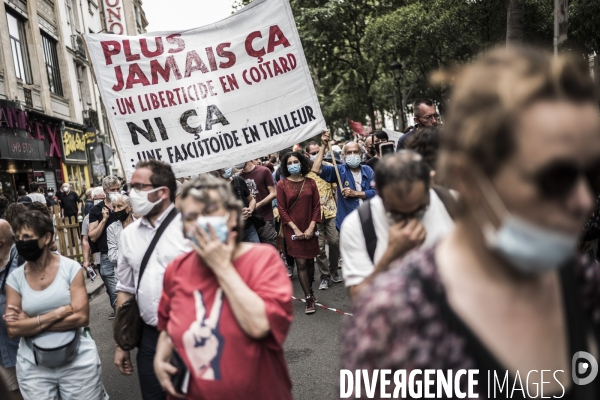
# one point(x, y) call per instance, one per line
point(349, 45)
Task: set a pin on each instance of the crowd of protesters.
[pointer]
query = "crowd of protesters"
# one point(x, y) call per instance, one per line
point(458, 251)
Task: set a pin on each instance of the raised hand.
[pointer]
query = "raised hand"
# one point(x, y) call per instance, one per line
point(202, 341)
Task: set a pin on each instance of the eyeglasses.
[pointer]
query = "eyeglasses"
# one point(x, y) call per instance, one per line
point(417, 214)
point(431, 117)
point(314, 153)
point(138, 187)
point(557, 179)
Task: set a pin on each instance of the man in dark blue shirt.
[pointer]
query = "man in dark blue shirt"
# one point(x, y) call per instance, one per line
point(356, 180)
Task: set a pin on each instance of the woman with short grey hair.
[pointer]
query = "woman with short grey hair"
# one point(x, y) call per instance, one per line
point(123, 211)
point(243, 291)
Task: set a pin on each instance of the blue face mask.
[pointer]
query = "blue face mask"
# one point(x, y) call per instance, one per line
point(227, 173)
point(218, 223)
point(353, 160)
point(529, 248)
point(294, 169)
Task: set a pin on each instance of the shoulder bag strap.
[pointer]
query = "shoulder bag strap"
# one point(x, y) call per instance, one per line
point(368, 228)
point(155, 240)
point(447, 199)
point(299, 193)
point(578, 328)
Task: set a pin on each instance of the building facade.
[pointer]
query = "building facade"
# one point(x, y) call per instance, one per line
point(53, 126)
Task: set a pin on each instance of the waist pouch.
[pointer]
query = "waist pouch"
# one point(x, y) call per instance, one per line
point(55, 349)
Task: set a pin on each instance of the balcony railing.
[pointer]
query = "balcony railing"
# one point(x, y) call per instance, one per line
point(77, 45)
point(90, 118)
point(28, 98)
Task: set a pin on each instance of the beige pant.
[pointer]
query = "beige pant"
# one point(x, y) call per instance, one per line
point(9, 377)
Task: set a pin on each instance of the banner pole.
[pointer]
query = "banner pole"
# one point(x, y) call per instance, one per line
point(337, 172)
point(555, 43)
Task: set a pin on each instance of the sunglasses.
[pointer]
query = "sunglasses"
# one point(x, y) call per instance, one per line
point(417, 214)
point(557, 179)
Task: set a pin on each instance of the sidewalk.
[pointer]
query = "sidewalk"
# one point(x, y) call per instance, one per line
point(94, 288)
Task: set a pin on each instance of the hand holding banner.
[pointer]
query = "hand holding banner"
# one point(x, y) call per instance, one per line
point(210, 97)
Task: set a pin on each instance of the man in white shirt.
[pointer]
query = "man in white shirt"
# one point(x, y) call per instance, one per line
point(406, 214)
point(35, 194)
point(152, 194)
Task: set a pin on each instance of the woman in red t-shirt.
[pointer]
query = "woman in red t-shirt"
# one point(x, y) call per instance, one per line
point(226, 307)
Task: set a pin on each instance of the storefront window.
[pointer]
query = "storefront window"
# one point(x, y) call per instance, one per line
point(7, 187)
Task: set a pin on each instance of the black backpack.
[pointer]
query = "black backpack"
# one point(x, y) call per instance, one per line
point(368, 228)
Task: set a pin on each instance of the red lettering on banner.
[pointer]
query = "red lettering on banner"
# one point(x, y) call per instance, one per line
point(276, 38)
point(249, 49)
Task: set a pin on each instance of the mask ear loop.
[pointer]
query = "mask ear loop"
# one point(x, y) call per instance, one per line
point(488, 191)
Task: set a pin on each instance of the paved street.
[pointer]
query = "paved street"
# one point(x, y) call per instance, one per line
point(311, 348)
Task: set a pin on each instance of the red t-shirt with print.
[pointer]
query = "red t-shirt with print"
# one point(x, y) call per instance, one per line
point(225, 363)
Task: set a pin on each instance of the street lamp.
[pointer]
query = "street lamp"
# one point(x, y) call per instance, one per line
point(396, 69)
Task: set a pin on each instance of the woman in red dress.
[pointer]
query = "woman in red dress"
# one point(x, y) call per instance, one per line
point(299, 206)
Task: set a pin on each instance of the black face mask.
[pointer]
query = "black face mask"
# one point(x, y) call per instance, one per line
point(29, 249)
point(122, 215)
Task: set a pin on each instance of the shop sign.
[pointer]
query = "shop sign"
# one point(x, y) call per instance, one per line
point(15, 118)
point(39, 178)
point(73, 144)
point(17, 148)
point(90, 137)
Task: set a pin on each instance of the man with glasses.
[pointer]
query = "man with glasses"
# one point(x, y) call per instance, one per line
point(425, 115)
point(406, 214)
point(152, 191)
point(356, 179)
point(378, 137)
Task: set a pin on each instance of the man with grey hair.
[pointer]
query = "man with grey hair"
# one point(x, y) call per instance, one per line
point(101, 216)
point(356, 179)
point(407, 213)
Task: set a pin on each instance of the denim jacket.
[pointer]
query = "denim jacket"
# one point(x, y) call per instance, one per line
point(346, 206)
point(8, 346)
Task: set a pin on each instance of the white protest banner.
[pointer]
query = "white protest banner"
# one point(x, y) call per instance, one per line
point(210, 97)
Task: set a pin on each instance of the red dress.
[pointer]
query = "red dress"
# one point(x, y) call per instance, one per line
point(225, 363)
point(306, 210)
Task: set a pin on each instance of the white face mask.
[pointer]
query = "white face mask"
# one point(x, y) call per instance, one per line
point(96, 202)
point(140, 203)
point(65, 189)
point(526, 246)
point(240, 165)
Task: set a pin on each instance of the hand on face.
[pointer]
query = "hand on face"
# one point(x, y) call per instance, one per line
point(215, 254)
point(405, 236)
